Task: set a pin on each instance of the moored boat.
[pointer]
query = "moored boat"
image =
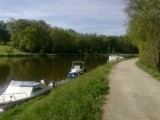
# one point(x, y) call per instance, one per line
point(113, 58)
point(77, 69)
point(19, 91)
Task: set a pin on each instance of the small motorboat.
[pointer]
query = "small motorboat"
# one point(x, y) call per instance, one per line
point(19, 91)
point(77, 69)
point(113, 58)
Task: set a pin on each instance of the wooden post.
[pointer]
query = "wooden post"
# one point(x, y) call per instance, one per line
point(54, 84)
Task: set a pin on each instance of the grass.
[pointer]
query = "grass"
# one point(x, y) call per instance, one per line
point(8, 50)
point(152, 71)
point(79, 99)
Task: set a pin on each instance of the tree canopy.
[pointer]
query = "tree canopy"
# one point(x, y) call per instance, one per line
point(37, 36)
point(4, 33)
point(144, 29)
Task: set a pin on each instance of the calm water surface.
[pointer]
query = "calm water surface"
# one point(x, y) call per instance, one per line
point(35, 69)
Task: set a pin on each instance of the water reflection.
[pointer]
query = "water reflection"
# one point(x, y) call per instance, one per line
point(35, 69)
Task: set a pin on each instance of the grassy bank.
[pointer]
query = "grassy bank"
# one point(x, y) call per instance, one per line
point(8, 50)
point(150, 70)
point(79, 99)
point(12, 52)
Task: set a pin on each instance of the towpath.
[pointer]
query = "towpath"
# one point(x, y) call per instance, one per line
point(134, 94)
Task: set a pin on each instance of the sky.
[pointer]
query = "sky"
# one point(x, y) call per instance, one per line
point(104, 17)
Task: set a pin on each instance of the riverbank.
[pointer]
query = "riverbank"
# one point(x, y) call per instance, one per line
point(8, 51)
point(79, 99)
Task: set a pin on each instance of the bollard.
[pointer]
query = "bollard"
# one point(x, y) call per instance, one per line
point(54, 84)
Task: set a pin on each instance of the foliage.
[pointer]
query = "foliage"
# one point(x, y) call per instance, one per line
point(37, 36)
point(4, 33)
point(30, 36)
point(8, 50)
point(144, 29)
point(79, 99)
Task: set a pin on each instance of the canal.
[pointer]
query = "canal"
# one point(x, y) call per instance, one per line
point(37, 68)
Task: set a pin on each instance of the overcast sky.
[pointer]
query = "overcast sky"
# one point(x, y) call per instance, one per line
point(85, 16)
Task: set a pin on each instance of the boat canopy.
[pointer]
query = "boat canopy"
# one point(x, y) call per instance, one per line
point(78, 65)
point(21, 87)
point(15, 83)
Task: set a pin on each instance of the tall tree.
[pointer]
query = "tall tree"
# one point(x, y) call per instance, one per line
point(4, 33)
point(16, 28)
point(42, 34)
point(144, 29)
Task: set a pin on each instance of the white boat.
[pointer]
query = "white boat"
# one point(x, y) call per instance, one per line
point(77, 69)
point(19, 91)
point(113, 58)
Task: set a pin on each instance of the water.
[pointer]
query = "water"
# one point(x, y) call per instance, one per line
point(35, 69)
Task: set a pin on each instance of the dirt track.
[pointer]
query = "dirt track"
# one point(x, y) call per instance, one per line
point(134, 95)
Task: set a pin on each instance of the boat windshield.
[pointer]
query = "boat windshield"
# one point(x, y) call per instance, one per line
point(23, 84)
point(77, 64)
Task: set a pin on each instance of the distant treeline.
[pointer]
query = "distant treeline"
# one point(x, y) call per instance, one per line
point(37, 36)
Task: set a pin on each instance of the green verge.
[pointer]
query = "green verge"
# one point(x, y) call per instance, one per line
point(152, 71)
point(78, 99)
point(8, 50)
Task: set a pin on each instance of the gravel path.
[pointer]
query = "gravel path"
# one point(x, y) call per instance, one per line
point(134, 95)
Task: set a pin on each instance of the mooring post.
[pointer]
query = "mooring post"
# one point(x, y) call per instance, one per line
point(54, 84)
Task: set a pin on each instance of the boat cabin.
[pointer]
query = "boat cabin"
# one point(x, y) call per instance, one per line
point(22, 90)
point(77, 69)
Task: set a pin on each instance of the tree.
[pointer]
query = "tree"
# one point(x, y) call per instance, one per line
point(29, 35)
point(30, 39)
point(4, 33)
point(16, 28)
point(42, 35)
point(37, 36)
point(55, 36)
point(144, 29)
